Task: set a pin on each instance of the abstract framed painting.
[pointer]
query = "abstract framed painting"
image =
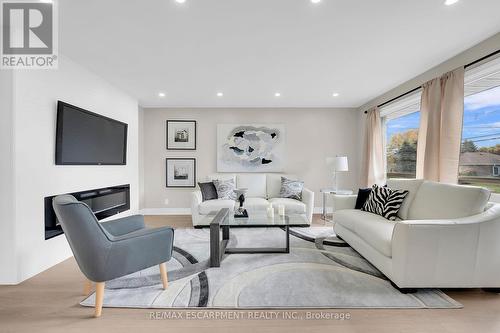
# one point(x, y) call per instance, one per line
point(181, 134)
point(181, 172)
point(250, 148)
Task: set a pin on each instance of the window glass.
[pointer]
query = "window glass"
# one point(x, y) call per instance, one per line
point(480, 149)
point(401, 145)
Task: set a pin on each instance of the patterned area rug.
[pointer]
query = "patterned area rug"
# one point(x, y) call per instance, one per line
point(319, 272)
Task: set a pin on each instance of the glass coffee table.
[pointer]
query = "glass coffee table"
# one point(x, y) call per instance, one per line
point(224, 220)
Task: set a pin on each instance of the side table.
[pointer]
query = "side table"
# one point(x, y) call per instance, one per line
point(325, 192)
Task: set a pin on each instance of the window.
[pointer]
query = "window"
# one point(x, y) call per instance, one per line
point(480, 149)
point(401, 120)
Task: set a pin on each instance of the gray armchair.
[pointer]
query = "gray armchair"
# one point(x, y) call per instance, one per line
point(105, 251)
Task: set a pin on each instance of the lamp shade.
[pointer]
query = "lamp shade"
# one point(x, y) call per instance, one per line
point(341, 163)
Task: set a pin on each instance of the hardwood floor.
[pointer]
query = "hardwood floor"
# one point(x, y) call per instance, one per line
point(49, 301)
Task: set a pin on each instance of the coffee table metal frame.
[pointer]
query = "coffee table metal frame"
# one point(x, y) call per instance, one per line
point(218, 246)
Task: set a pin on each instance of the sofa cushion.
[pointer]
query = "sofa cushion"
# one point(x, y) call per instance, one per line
point(446, 201)
point(256, 204)
point(225, 189)
point(209, 206)
point(254, 182)
point(363, 194)
point(385, 202)
point(292, 206)
point(373, 229)
point(274, 184)
point(410, 185)
point(291, 189)
point(208, 191)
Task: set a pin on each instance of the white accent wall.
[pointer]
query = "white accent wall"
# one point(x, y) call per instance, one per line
point(35, 95)
point(8, 270)
point(312, 134)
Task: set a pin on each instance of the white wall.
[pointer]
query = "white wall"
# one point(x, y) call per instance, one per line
point(8, 271)
point(311, 136)
point(36, 93)
point(476, 52)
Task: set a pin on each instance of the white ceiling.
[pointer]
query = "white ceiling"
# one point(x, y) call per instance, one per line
point(250, 49)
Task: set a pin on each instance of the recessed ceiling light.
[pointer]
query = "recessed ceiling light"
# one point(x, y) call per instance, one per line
point(315, 1)
point(180, 1)
point(220, 94)
point(277, 94)
point(161, 94)
point(335, 94)
point(450, 2)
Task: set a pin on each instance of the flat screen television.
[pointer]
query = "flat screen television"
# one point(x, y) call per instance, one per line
point(87, 138)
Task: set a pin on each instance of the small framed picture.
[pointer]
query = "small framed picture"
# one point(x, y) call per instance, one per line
point(181, 134)
point(181, 172)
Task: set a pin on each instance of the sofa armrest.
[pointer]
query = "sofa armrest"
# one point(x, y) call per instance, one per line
point(434, 253)
point(196, 200)
point(344, 201)
point(308, 200)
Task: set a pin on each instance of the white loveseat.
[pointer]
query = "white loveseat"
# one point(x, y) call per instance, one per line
point(448, 236)
point(263, 189)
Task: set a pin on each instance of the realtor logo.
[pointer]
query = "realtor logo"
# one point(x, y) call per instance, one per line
point(29, 37)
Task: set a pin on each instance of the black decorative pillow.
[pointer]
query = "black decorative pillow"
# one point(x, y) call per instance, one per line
point(291, 189)
point(385, 202)
point(363, 194)
point(208, 191)
point(225, 189)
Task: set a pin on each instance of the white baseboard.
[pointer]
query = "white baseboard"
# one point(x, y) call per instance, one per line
point(165, 211)
point(187, 211)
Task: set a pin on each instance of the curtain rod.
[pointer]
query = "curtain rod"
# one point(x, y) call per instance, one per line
point(418, 88)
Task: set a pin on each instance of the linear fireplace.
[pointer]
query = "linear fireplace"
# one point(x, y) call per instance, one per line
point(104, 202)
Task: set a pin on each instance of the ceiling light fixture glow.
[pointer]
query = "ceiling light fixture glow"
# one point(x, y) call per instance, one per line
point(315, 1)
point(277, 94)
point(450, 2)
point(180, 1)
point(219, 94)
point(161, 94)
point(335, 94)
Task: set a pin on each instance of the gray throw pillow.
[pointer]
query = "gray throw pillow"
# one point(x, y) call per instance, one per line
point(225, 189)
point(208, 191)
point(291, 189)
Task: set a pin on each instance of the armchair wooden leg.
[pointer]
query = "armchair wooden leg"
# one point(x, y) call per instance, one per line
point(164, 276)
point(87, 287)
point(99, 296)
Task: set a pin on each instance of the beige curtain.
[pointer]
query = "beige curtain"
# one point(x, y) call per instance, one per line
point(373, 152)
point(440, 132)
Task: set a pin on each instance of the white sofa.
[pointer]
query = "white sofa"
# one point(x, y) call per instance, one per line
point(263, 189)
point(448, 236)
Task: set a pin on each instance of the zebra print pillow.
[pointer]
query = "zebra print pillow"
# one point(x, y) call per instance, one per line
point(225, 189)
point(291, 189)
point(385, 202)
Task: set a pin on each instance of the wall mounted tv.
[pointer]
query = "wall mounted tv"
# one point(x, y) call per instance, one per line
point(87, 138)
